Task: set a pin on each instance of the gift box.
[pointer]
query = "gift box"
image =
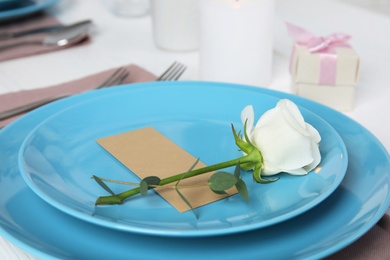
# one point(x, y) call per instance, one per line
point(324, 69)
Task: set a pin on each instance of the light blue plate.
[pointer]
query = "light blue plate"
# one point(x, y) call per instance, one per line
point(59, 157)
point(348, 213)
point(25, 10)
point(6, 5)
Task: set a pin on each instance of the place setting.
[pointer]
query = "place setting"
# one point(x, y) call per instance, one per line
point(248, 222)
point(63, 188)
point(127, 164)
point(27, 30)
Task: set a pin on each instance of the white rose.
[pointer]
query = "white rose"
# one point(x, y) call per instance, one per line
point(286, 142)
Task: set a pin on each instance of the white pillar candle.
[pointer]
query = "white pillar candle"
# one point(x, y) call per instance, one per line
point(236, 41)
point(176, 24)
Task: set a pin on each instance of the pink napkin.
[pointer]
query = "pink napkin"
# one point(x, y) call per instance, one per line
point(11, 100)
point(32, 22)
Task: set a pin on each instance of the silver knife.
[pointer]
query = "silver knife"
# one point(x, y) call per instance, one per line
point(9, 35)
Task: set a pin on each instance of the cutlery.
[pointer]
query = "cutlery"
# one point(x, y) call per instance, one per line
point(172, 73)
point(46, 29)
point(114, 79)
point(61, 37)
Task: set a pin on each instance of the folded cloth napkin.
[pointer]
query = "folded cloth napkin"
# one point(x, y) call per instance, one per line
point(16, 99)
point(31, 22)
point(374, 245)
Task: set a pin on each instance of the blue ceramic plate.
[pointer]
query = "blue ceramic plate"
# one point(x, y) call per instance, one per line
point(58, 158)
point(6, 5)
point(357, 204)
point(10, 10)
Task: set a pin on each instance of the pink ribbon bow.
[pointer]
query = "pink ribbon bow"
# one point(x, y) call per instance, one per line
point(314, 43)
point(323, 45)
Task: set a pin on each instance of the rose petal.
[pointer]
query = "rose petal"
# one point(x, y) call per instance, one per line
point(316, 137)
point(248, 115)
point(293, 116)
point(283, 147)
point(281, 144)
point(270, 170)
point(316, 157)
point(286, 141)
point(299, 171)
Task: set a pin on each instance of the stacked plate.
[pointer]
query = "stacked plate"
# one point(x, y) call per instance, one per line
point(48, 157)
point(12, 9)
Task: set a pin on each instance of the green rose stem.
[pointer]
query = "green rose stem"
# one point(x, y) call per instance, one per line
point(253, 157)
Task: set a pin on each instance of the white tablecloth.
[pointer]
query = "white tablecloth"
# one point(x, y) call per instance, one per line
point(119, 41)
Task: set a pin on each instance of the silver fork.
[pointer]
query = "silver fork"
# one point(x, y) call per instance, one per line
point(173, 72)
point(115, 78)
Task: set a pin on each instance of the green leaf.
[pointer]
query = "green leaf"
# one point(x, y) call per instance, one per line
point(103, 185)
point(145, 184)
point(187, 202)
point(246, 135)
point(257, 175)
point(221, 181)
point(237, 170)
point(180, 194)
point(152, 180)
point(219, 192)
point(143, 187)
point(242, 189)
point(190, 169)
point(244, 146)
point(248, 166)
point(193, 166)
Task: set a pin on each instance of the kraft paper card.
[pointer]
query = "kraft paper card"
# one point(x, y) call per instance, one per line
point(146, 152)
